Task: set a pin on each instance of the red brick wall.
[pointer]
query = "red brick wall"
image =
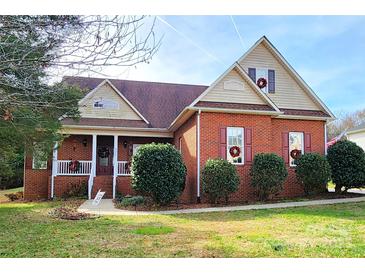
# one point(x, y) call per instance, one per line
point(35, 181)
point(187, 133)
point(266, 137)
point(63, 183)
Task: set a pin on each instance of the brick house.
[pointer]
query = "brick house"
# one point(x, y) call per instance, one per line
point(203, 122)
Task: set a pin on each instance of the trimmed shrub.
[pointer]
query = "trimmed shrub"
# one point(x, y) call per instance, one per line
point(314, 172)
point(347, 161)
point(158, 171)
point(268, 174)
point(219, 179)
point(132, 201)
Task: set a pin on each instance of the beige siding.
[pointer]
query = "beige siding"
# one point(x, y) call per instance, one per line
point(358, 138)
point(288, 93)
point(107, 92)
point(219, 94)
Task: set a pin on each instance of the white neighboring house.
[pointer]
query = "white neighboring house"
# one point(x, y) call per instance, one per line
point(357, 135)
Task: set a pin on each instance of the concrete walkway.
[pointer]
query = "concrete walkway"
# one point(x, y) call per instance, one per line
point(106, 207)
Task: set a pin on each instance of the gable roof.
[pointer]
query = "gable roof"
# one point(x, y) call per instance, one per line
point(159, 103)
point(106, 81)
point(264, 40)
point(245, 76)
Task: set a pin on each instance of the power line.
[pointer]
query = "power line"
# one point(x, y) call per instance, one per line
point(238, 33)
point(190, 40)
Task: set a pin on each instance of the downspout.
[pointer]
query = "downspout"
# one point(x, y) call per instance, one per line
point(198, 156)
point(54, 167)
point(325, 138)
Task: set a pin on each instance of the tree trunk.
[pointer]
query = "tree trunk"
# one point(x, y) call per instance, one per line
point(338, 189)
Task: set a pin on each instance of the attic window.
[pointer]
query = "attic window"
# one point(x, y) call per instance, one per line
point(233, 85)
point(106, 104)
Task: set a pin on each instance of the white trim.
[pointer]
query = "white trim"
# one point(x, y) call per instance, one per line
point(106, 81)
point(302, 117)
point(242, 146)
point(115, 164)
point(232, 110)
point(198, 154)
point(293, 73)
point(355, 131)
point(93, 157)
point(325, 138)
point(54, 167)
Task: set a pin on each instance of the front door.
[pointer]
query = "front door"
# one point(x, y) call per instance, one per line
point(104, 163)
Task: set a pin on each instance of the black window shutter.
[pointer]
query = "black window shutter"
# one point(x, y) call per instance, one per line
point(271, 76)
point(252, 74)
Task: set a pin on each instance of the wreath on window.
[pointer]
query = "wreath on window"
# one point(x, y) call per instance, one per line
point(74, 165)
point(295, 154)
point(103, 152)
point(261, 82)
point(235, 151)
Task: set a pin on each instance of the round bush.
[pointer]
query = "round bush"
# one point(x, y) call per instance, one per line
point(219, 179)
point(347, 161)
point(159, 172)
point(268, 174)
point(314, 172)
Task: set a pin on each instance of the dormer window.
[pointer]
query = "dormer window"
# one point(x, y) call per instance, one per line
point(268, 74)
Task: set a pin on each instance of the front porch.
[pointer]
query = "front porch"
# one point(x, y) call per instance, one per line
point(103, 160)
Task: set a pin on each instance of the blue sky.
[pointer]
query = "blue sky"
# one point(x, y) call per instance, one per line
point(327, 51)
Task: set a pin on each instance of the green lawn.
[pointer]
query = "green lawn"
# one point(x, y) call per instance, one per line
point(7, 191)
point(319, 231)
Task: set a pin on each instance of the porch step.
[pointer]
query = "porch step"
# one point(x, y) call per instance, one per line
point(104, 183)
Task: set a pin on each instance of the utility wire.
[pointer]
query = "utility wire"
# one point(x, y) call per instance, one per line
point(238, 33)
point(190, 40)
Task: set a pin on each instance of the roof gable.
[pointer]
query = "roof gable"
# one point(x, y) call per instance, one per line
point(159, 103)
point(118, 106)
point(248, 94)
point(291, 90)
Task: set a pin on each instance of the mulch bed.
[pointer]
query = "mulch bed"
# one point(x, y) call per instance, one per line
point(68, 211)
point(149, 206)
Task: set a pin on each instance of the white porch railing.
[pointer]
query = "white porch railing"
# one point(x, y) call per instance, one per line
point(63, 168)
point(123, 168)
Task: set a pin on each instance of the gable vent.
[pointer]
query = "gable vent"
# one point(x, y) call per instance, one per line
point(233, 85)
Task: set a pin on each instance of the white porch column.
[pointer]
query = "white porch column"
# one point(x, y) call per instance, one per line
point(93, 166)
point(93, 159)
point(115, 164)
point(54, 167)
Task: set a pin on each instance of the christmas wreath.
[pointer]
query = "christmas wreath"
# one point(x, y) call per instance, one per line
point(235, 151)
point(103, 152)
point(261, 82)
point(295, 154)
point(74, 165)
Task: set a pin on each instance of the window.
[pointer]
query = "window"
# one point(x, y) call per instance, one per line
point(39, 158)
point(295, 142)
point(235, 139)
point(262, 73)
point(106, 104)
point(135, 148)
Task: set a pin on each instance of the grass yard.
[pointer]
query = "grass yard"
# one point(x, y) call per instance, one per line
point(7, 191)
point(26, 230)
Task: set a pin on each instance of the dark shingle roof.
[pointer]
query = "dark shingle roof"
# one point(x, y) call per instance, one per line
point(159, 103)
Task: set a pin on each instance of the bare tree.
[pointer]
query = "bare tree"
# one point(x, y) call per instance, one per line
point(345, 121)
